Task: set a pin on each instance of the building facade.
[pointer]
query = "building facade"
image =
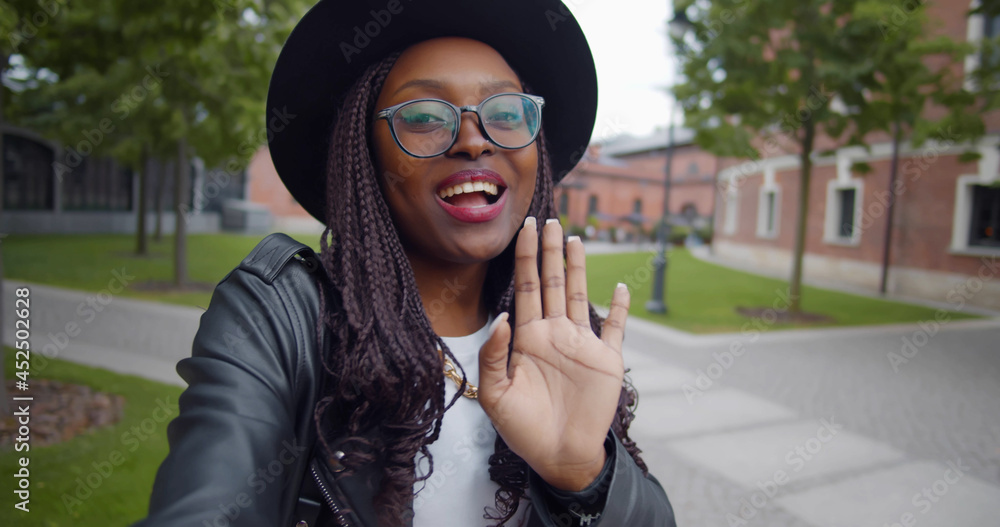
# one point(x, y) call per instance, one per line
point(51, 189)
point(620, 187)
point(945, 239)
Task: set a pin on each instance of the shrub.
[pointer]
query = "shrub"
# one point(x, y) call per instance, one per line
point(678, 233)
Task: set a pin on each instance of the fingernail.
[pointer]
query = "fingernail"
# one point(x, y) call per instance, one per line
point(496, 323)
point(530, 220)
point(621, 285)
point(551, 220)
point(572, 239)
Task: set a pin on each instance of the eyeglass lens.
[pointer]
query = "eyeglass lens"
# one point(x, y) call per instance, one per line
point(427, 128)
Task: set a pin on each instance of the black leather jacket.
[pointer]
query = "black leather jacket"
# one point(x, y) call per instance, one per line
point(241, 452)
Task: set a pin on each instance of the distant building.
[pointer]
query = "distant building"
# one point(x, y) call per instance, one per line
point(50, 189)
point(266, 190)
point(621, 185)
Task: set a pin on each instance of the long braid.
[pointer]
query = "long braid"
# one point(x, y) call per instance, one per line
point(384, 388)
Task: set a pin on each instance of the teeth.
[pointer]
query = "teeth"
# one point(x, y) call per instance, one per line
point(478, 186)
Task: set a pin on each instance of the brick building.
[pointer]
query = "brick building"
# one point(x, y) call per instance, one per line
point(621, 184)
point(264, 188)
point(945, 239)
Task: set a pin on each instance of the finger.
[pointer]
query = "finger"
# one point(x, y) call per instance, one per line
point(613, 330)
point(577, 307)
point(527, 298)
point(553, 272)
point(493, 380)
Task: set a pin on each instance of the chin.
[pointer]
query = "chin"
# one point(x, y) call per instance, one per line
point(483, 251)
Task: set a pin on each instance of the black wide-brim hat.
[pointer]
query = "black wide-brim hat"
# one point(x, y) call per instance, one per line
point(338, 39)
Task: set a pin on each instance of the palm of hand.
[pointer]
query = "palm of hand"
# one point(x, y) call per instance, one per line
point(554, 402)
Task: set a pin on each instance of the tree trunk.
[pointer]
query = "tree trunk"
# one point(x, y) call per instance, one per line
point(897, 132)
point(795, 284)
point(142, 241)
point(715, 206)
point(180, 214)
point(161, 183)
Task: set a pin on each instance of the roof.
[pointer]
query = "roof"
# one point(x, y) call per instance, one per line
point(627, 144)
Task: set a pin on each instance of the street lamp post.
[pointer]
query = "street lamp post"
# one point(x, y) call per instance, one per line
point(657, 303)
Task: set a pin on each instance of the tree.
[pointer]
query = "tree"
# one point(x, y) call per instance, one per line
point(762, 77)
point(174, 74)
point(898, 83)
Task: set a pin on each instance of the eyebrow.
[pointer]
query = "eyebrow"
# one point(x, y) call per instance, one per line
point(485, 87)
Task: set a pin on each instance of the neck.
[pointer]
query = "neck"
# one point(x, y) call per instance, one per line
point(452, 294)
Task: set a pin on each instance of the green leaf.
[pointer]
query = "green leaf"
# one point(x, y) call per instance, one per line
point(969, 156)
point(861, 167)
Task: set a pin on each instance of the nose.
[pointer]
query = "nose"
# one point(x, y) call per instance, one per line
point(470, 143)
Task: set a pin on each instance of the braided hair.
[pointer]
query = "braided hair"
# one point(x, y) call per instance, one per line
point(383, 388)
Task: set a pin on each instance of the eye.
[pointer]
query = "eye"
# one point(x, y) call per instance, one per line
point(507, 116)
point(420, 122)
point(422, 117)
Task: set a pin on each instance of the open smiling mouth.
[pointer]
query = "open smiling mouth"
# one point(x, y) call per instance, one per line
point(472, 195)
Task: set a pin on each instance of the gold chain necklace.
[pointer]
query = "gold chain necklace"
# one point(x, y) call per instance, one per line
point(471, 391)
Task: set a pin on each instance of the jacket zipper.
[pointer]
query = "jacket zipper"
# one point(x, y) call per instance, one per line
point(329, 498)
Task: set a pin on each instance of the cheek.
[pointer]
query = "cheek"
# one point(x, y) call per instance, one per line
point(527, 167)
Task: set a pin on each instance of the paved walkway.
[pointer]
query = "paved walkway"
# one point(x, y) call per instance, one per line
point(119, 334)
point(820, 428)
point(874, 426)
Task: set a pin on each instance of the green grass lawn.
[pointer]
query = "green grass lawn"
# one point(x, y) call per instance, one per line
point(702, 297)
point(128, 456)
point(86, 261)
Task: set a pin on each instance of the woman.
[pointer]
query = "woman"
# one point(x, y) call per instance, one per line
point(437, 321)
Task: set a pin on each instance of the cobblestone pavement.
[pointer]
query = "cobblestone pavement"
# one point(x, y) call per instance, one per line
point(914, 410)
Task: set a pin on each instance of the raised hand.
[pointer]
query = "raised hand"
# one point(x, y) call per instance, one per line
point(554, 403)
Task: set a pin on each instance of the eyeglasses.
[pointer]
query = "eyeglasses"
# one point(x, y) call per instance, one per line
point(429, 127)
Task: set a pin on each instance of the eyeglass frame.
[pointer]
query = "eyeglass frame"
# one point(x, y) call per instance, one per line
point(389, 113)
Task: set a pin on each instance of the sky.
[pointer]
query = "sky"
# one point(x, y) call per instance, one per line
point(628, 39)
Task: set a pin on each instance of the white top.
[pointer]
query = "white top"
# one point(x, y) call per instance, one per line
point(460, 486)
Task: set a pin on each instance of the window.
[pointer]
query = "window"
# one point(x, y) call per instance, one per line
point(592, 205)
point(564, 203)
point(638, 207)
point(770, 211)
point(843, 212)
point(767, 212)
point(846, 213)
point(991, 29)
point(982, 31)
point(984, 224)
point(97, 183)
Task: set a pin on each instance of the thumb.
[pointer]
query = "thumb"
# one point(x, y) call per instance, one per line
point(493, 359)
